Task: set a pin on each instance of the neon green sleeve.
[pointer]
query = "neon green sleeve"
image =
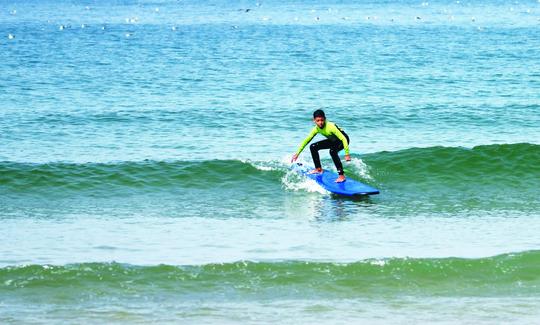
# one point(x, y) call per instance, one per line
point(310, 137)
point(334, 130)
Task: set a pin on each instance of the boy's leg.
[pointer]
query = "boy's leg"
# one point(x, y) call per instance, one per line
point(335, 157)
point(315, 147)
point(334, 150)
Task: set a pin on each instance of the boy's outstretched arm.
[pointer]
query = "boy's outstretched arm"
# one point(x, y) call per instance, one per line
point(304, 143)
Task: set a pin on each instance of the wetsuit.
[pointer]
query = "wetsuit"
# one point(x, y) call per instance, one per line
point(336, 141)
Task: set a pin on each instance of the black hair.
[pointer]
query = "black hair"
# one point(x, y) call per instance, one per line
point(319, 113)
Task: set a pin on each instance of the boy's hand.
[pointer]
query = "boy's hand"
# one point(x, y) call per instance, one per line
point(294, 157)
point(347, 157)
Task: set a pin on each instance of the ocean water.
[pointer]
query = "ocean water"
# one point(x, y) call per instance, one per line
point(145, 147)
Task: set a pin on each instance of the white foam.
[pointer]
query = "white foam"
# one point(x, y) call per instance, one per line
point(296, 182)
point(378, 262)
point(291, 180)
point(264, 168)
point(360, 168)
point(265, 165)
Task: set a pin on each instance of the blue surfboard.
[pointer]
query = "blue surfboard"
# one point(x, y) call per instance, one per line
point(327, 180)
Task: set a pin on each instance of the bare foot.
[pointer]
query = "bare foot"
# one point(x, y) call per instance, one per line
point(316, 171)
point(341, 179)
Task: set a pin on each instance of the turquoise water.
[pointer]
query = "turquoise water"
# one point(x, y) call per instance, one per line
point(144, 171)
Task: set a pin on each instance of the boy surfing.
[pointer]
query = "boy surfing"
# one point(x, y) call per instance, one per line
point(336, 140)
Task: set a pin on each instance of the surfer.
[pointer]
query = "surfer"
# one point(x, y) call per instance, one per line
point(336, 141)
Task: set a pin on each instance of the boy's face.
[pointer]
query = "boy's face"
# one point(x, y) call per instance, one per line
point(319, 121)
